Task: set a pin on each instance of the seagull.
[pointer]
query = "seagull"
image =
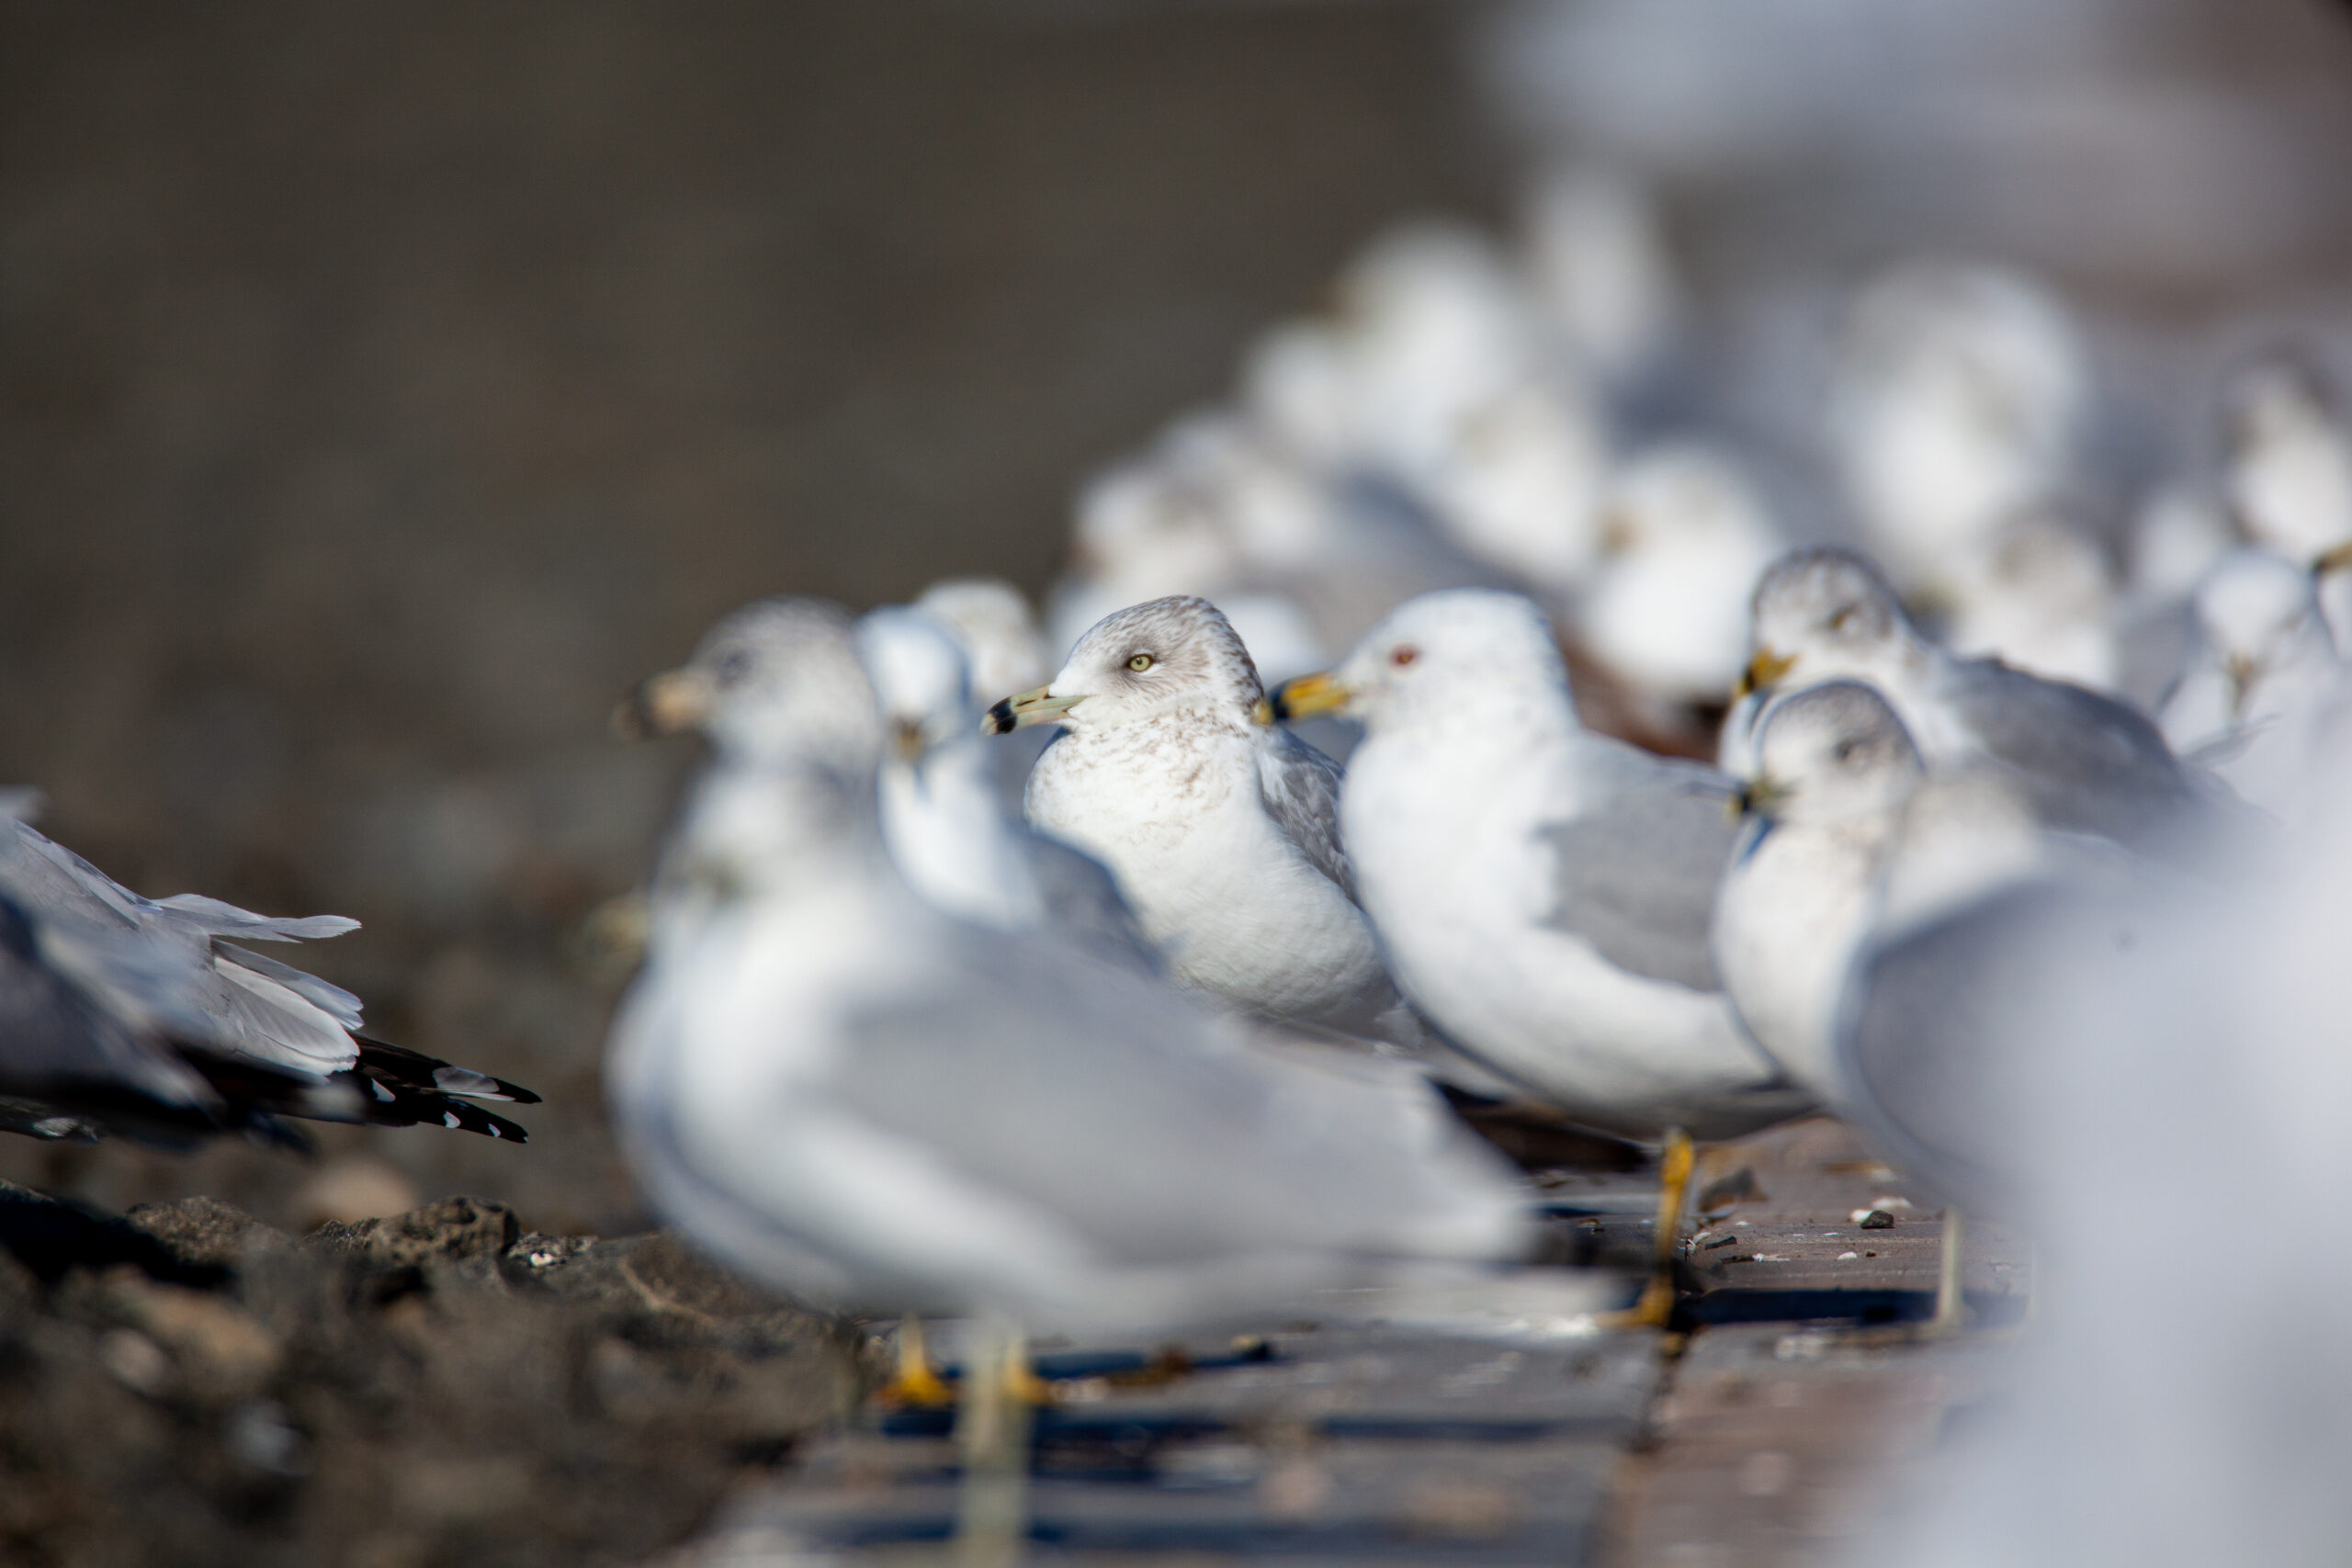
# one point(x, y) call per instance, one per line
point(1955, 400)
point(1686, 537)
point(2287, 469)
point(1597, 268)
point(854, 1097)
point(1982, 925)
point(2089, 762)
point(2036, 593)
point(1542, 893)
point(1221, 828)
point(1834, 767)
point(142, 1016)
point(1518, 479)
point(1219, 508)
point(2262, 668)
point(1003, 647)
point(945, 823)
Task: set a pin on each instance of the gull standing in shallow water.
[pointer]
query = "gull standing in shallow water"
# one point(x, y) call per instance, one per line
point(1542, 893)
point(1221, 828)
point(2089, 763)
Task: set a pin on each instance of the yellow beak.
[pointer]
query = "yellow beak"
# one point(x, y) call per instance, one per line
point(2334, 560)
point(1038, 705)
point(1308, 695)
point(1762, 671)
point(1758, 794)
point(667, 704)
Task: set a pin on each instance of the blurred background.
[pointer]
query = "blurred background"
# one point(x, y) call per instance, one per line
point(385, 388)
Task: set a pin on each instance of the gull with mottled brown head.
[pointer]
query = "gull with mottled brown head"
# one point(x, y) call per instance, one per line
point(1222, 829)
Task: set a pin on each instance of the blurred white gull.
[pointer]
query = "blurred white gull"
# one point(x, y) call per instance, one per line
point(1220, 827)
point(2288, 466)
point(1834, 768)
point(2262, 673)
point(143, 1015)
point(1216, 510)
point(1686, 539)
point(1955, 401)
point(1598, 269)
point(1984, 926)
point(944, 819)
point(2179, 531)
point(2036, 593)
point(1003, 647)
point(2162, 1419)
point(1431, 321)
point(1542, 892)
point(2089, 763)
point(1004, 651)
point(1517, 482)
point(852, 1097)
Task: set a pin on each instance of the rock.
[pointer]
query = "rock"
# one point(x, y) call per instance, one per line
point(455, 1229)
point(435, 1386)
point(204, 1233)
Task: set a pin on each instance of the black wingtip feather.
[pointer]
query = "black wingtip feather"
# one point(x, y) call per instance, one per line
point(397, 1064)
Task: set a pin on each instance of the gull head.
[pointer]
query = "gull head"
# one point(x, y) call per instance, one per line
point(1171, 656)
point(1001, 643)
point(2256, 611)
point(920, 681)
point(1461, 651)
point(776, 680)
point(2281, 398)
point(1833, 754)
point(1820, 614)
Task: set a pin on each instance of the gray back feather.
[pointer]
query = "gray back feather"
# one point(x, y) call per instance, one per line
point(184, 969)
point(1301, 789)
point(1085, 908)
point(1638, 869)
point(2087, 762)
point(1192, 1148)
point(1944, 1028)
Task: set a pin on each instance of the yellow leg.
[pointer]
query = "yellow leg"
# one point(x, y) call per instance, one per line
point(1021, 1384)
point(915, 1382)
point(1657, 1303)
point(992, 1433)
point(1951, 1309)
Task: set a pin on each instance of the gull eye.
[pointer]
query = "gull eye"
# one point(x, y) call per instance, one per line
point(734, 667)
point(1842, 619)
point(1139, 664)
point(1404, 653)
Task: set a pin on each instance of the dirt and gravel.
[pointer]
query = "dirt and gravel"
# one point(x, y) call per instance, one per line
point(185, 1384)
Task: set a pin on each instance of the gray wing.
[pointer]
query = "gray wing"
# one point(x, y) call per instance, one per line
point(1301, 788)
point(1113, 1104)
point(61, 1045)
point(1637, 870)
point(1943, 1028)
point(2087, 761)
point(1085, 908)
point(251, 1006)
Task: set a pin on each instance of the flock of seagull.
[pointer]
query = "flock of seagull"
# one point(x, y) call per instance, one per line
point(1101, 995)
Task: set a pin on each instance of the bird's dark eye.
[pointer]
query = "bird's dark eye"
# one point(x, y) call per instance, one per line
point(1842, 619)
point(1139, 664)
point(734, 666)
point(1848, 750)
point(1404, 653)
